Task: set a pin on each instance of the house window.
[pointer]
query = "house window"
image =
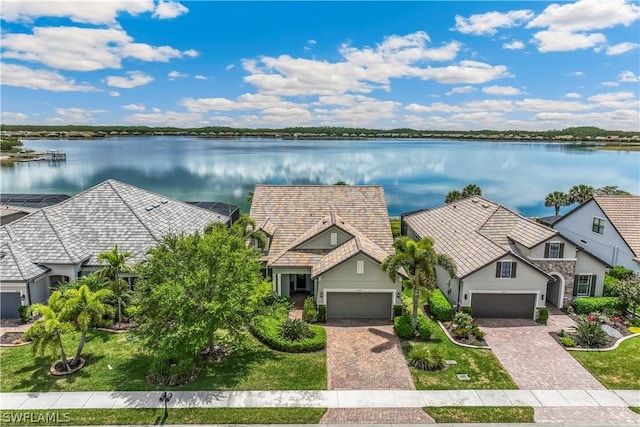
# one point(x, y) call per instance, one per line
point(554, 250)
point(359, 267)
point(584, 285)
point(334, 239)
point(506, 269)
point(598, 225)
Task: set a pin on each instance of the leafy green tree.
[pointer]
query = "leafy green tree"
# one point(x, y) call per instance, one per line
point(340, 183)
point(193, 285)
point(557, 199)
point(250, 197)
point(580, 193)
point(84, 308)
point(10, 144)
point(453, 196)
point(246, 228)
point(471, 190)
point(46, 332)
point(116, 265)
point(419, 259)
point(610, 190)
point(629, 292)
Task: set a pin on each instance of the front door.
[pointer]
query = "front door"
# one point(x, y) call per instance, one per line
point(301, 282)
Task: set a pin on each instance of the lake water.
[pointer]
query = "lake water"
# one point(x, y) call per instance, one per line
point(415, 174)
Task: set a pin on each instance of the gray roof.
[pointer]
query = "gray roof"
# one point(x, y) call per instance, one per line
point(94, 221)
point(16, 265)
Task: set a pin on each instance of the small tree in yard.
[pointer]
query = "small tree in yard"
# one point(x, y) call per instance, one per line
point(192, 286)
point(629, 292)
point(116, 265)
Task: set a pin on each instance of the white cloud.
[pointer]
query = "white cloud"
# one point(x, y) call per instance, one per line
point(200, 77)
point(169, 10)
point(229, 67)
point(114, 93)
point(617, 49)
point(83, 49)
point(90, 12)
point(466, 72)
point(168, 118)
point(610, 84)
point(624, 119)
point(628, 77)
point(177, 75)
point(615, 100)
point(501, 90)
point(577, 73)
point(572, 95)
point(133, 79)
point(513, 45)
point(461, 89)
point(537, 104)
point(311, 41)
point(73, 116)
point(247, 101)
point(156, 110)
point(134, 107)
point(570, 26)
point(12, 118)
point(21, 76)
point(488, 23)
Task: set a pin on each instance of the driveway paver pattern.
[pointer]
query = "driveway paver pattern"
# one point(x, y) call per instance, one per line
point(376, 416)
point(365, 355)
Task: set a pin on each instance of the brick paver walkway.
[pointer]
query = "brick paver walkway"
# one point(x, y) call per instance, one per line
point(365, 355)
point(376, 416)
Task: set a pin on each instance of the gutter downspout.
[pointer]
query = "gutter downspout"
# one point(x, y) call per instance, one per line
point(460, 283)
point(29, 282)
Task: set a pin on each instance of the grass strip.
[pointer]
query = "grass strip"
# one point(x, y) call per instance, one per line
point(616, 369)
point(82, 417)
point(480, 414)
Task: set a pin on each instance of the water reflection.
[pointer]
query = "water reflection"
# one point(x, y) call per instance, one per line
point(415, 174)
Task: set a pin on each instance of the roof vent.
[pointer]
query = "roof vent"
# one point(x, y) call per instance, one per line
point(474, 200)
point(148, 208)
point(164, 201)
point(156, 205)
point(484, 205)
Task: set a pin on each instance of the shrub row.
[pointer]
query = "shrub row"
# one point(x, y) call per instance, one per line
point(588, 305)
point(402, 326)
point(269, 331)
point(439, 306)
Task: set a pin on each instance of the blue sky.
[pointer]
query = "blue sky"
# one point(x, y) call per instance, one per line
point(424, 65)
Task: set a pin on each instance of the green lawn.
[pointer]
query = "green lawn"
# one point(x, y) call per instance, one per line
point(616, 369)
point(635, 409)
point(113, 363)
point(84, 417)
point(484, 370)
point(482, 414)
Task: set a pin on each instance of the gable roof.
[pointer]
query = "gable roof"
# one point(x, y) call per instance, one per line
point(624, 214)
point(293, 215)
point(16, 265)
point(475, 231)
point(94, 221)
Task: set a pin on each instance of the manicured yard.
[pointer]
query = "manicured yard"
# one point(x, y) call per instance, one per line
point(616, 369)
point(155, 416)
point(483, 414)
point(484, 370)
point(113, 363)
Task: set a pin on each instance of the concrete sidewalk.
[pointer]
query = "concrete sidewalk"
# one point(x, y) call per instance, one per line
point(323, 399)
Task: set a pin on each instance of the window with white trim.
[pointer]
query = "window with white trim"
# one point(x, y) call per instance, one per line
point(359, 267)
point(584, 285)
point(598, 225)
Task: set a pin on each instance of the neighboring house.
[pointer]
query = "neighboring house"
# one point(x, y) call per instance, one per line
point(508, 265)
point(59, 243)
point(10, 213)
point(330, 241)
point(608, 226)
point(32, 200)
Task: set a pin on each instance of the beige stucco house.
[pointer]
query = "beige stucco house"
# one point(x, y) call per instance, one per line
point(508, 265)
point(329, 240)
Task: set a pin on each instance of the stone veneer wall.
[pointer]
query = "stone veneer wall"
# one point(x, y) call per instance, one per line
point(568, 271)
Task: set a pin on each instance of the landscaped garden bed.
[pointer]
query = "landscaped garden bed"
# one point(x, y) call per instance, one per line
point(13, 338)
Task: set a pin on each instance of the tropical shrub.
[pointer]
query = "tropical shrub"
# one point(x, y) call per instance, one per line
point(468, 310)
point(397, 310)
point(567, 342)
point(170, 372)
point(478, 333)
point(309, 312)
point(588, 305)
point(635, 321)
point(403, 328)
point(426, 359)
point(23, 313)
point(543, 315)
point(322, 313)
point(619, 272)
point(634, 329)
point(588, 333)
point(562, 333)
point(295, 330)
point(439, 306)
point(425, 328)
point(273, 298)
point(611, 286)
point(269, 331)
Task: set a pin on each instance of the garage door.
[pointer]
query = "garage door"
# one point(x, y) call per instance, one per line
point(358, 305)
point(503, 305)
point(9, 302)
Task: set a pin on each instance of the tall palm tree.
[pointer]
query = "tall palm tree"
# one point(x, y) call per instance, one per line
point(471, 190)
point(116, 265)
point(580, 193)
point(557, 199)
point(419, 260)
point(247, 228)
point(46, 332)
point(453, 196)
point(84, 308)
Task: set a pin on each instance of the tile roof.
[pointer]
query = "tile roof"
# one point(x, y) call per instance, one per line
point(296, 214)
point(624, 213)
point(79, 228)
point(476, 231)
point(16, 265)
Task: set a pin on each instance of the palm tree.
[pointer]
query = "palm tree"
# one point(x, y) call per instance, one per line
point(418, 259)
point(246, 228)
point(84, 308)
point(610, 190)
point(557, 199)
point(471, 190)
point(453, 196)
point(580, 193)
point(116, 265)
point(46, 332)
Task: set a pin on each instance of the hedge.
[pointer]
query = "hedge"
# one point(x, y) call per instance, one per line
point(269, 331)
point(586, 305)
point(402, 326)
point(439, 306)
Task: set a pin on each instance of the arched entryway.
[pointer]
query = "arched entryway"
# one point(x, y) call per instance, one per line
point(555, 290)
